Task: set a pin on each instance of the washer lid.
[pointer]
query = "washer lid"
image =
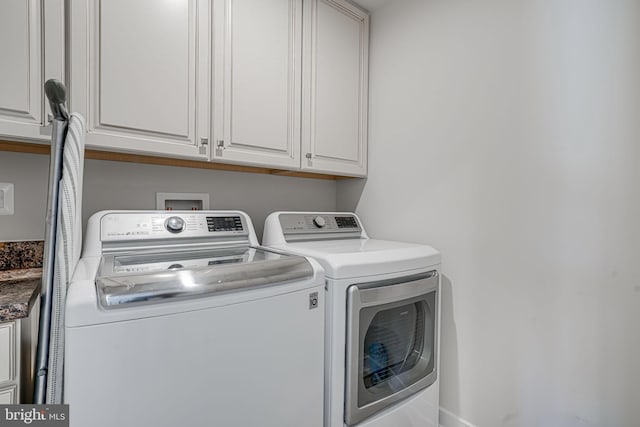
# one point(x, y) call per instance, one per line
point(141, 278)
point(349, 258)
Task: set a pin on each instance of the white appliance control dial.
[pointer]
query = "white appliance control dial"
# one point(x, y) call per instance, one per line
point(174, 224)
point(319, 222)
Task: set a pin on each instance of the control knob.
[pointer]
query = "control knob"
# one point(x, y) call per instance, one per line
point(319, 222)
point(174, 224)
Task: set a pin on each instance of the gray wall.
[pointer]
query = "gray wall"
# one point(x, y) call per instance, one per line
point(113, 185)
point(506, 134)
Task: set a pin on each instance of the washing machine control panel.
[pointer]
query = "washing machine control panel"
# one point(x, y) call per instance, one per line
point(171, 225)
point(320, 225)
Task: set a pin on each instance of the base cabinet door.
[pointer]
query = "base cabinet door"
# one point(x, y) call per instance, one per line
point(30, 53)
point(335, 86)
point(139, 75)
point(257, 74)
point(8, 395)
point(9, 362)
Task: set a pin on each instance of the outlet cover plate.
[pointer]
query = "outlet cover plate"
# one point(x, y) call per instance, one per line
point(6, 198)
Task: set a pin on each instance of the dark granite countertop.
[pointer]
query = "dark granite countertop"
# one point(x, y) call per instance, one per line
point(18, 291)
point(20, 277)
point(19, 255)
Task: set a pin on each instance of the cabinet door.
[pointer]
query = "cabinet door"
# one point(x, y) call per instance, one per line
point(258, 82)
point(334, 125)
point(8, 395)
point(139, 74)
point(30, 53)
point(8, 352)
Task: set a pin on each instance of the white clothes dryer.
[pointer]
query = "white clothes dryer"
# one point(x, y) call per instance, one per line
point(179, 319)
point(382, 319)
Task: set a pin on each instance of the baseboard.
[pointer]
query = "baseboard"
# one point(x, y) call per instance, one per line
point(449, 419)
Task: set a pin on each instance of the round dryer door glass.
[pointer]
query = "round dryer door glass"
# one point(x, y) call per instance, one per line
point(395, 342)
point(398, 344)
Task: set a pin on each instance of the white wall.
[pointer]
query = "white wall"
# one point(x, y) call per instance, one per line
point(113, 185)
point(506, 133)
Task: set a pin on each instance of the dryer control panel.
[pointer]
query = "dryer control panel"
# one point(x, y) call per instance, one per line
point(296, 226)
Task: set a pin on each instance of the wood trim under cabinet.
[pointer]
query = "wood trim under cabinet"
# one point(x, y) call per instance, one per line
point(25, 147)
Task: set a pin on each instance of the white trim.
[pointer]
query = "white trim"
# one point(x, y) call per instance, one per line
point(449, 419)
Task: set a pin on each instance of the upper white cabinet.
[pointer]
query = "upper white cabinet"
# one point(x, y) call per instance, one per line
point(257, 75)
point(31, 51)
point(335, 87)
point(140, 74)
point(291, 90)
point(272, 83)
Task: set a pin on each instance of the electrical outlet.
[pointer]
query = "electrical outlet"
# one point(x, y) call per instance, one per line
point(6, 198)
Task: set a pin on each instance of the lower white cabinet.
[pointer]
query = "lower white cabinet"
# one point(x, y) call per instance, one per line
point(335, 88)
point(9, 362)
point(8, 395)
point(18, 341)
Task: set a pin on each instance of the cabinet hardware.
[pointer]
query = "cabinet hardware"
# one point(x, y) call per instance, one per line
point(204, 144)
point(308, 156)
point(220, 143)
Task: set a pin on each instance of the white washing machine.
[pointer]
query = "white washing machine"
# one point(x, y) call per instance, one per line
point(178, 319)
point(382, 330)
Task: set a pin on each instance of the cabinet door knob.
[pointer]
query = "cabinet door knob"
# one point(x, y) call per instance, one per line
point(308, 156)
point(220, 143)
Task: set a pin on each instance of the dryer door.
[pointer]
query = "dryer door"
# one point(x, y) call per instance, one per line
point(391, 342)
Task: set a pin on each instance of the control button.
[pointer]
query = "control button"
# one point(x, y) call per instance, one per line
point(174, 224)
point(319, 222)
